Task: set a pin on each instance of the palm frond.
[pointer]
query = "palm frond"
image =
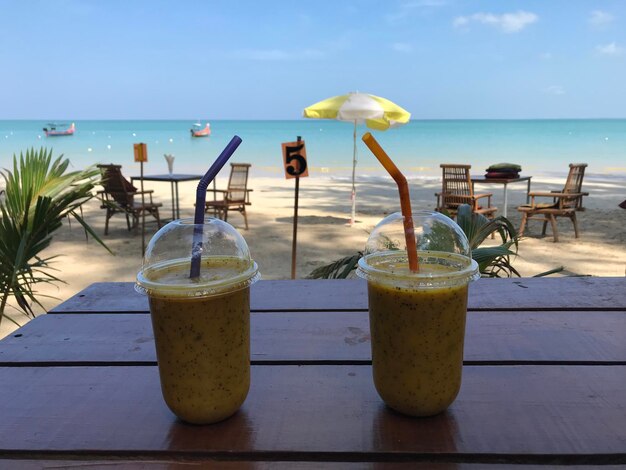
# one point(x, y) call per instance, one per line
point(39, 194)
point(493, 261)
point(550, 271)
point(339, 269)
point(487, 255)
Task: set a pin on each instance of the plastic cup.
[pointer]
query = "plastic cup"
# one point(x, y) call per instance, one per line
point(201, 325)
point(417, 319)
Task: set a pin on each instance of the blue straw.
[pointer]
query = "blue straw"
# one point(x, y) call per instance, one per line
point(196, 247)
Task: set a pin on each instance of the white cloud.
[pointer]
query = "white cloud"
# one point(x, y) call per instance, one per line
point(600, 18)
point(555, 90)
point(402, 47)
point(461, 21)
point(507, 22)
point(610, 49)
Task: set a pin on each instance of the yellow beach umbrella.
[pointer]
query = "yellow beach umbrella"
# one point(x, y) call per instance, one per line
point(360, 108)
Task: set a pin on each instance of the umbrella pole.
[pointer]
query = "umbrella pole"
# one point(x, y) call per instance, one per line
point(353, 214)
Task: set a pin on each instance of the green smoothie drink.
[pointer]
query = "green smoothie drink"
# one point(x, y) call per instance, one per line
point(201, 325)
point(417, 319)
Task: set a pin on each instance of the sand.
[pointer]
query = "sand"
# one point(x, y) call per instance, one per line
point(323, 235)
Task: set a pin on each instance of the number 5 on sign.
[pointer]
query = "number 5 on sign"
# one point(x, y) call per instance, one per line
point(294, 159)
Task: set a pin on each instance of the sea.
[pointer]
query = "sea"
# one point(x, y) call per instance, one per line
point(541, 147)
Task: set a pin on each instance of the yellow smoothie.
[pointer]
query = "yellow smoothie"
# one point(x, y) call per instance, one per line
point(417, 344)
point(202, 344)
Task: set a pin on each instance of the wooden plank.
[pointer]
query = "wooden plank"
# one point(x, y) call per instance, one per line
point(545, 294)
point(516, 294)
point(349, 294)
point(508, 414)
point(97, 463)
point(325, 337)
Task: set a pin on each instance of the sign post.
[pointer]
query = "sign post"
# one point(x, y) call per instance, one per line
point(141, 156)
point(294, 159)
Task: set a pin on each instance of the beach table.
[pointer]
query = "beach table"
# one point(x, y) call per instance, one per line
point(544, 384)
point(173, 179)
point(504, 181)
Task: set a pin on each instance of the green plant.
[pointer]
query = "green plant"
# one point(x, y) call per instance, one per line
point(38, 195)
point(493, 261)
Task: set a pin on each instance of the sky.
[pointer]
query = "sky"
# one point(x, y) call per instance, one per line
point(240, 59)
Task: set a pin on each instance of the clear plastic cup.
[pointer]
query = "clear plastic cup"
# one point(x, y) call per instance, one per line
point(201, 325)
point(417, 320)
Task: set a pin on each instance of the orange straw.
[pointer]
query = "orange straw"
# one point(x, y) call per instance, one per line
point(405, 198)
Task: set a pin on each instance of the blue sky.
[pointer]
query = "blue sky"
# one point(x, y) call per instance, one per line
point(439, 59)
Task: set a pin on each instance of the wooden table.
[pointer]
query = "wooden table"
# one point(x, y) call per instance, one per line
point(505, 182)
point(544, 383)
point(173, 179)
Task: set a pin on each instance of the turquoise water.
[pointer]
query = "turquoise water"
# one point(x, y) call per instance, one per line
point(542, 147)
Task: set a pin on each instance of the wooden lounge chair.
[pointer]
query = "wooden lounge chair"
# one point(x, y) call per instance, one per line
point(235, 198)
point(457, 189)
point(565, 203)
point(118, 196)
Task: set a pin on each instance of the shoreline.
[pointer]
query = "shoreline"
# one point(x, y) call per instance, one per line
point(540, 146)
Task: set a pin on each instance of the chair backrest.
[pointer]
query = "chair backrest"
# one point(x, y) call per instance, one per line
point(455, 182)
point(238, 181)
point(574, 184)
point(115, 185)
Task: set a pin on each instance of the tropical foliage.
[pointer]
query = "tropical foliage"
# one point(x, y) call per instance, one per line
point(39, 193)
point(493, 261)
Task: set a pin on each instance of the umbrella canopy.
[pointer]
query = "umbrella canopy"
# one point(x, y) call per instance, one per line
point(360, 108)
point(376, 112)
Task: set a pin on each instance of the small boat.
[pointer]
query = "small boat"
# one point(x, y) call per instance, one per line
point(53, 130)
point(198, 131)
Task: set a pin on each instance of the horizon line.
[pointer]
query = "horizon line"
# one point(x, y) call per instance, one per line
point(313, 120)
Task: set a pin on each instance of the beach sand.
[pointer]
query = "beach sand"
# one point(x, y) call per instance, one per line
point(323, 236)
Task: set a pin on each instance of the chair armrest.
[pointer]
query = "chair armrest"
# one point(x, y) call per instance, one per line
point(214, 191)
point(557, 198)
point(555, 194)
point(541, 194)
point(145, 191)
point(482, 195)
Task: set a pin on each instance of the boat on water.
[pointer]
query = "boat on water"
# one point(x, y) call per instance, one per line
point(198, 131)
point(54, 130)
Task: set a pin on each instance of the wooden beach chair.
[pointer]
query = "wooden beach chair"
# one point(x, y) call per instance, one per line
point(118, 196)
point(565, 203)
point(235, 198)
point(456, 189)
